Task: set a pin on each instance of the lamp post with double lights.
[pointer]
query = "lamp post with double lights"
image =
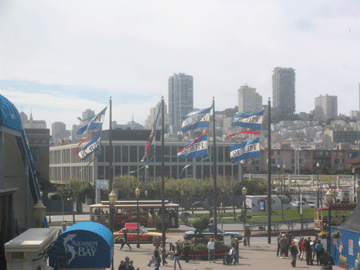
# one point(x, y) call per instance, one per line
point(137, 194)
point(49, 197)
point(244, 191)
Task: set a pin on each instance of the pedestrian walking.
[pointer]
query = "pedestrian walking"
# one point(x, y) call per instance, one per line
point(63, 226)
point(283, 245)
point(125, 240)
point(278, 247)
point(235, 245)
point(187, 250)
point(308, 251)
point(177, 258)
point(293, 252)
point(157, 257)
point(163, 254)
point(211, 249)
point(319, 251)
point(247, 235)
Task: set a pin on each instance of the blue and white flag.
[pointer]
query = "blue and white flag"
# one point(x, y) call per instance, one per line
point(95, 123)
point(195, 148)
point(249, 120)
point(92, 146)
point(93, 141)
point(245, 150)
point(198, 119)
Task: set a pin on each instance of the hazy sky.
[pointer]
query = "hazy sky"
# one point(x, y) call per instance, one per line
point(63, 57)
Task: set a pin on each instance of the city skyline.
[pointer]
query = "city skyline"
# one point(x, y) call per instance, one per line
point(59, 61)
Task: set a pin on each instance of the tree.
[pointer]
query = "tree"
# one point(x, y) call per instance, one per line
point(230, 188)
point(72, 189)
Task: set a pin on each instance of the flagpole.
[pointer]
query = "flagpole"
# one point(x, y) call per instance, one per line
point(269, 173)
point(111, 210)
point(215, 171)
point(162, 172)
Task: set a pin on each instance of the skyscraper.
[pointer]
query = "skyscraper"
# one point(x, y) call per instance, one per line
point(283, 81)
point(181, 99)
point(248, 99)
point(326, 107)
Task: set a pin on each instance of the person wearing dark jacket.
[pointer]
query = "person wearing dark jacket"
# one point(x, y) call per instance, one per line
point(308, 251)
point(187, 250)
point(126, 241)
point(157, 256)
point(163, 254)
point(293, 251)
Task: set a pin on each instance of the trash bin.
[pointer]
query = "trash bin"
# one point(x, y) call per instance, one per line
point(156, 241)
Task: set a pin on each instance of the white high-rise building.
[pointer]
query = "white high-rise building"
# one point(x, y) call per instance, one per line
point(283, 81)
point(326, 108)
point(248, 99)
point(181, 99)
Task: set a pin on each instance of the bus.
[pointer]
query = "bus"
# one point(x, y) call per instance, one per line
point(126, 212)
point(339, 213)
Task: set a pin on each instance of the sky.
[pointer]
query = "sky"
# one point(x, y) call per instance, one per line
point(59, 58)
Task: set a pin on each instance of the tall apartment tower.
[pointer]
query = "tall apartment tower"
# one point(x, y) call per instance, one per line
point(181, 99)
point(248, 99)
point(283, 81)
point(326, 108)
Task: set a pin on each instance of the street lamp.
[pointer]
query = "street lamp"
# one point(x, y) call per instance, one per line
point(49, 197)
point(182, 193)
point(329, 198)
point(39, 213)
point(112, 201)
point(318, 187)
point(241, 163)
point(146, 194)
point(244, 191)
point(137, 193)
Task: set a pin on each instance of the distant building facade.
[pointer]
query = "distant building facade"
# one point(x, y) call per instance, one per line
point(31, 123)
point(326, 108)
point(59, 132)
point(248, 99)
point(181, 99)
point(283, 81)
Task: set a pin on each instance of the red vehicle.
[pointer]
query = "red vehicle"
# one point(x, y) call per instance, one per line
point(126, 212)
point(132, 233)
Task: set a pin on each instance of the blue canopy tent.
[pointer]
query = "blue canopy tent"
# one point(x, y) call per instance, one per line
point(86, 245)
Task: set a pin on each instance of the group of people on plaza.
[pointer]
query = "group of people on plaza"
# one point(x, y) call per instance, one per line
point(305, 248)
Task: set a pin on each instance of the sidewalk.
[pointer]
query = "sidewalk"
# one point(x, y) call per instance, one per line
point(257, 256)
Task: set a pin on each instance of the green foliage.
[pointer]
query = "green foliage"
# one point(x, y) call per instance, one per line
point(201, 223)
point(200, 247)
point(74, 188)
point(219, 244)
point(256, 186)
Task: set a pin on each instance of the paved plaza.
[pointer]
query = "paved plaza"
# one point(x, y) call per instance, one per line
point(257, 256)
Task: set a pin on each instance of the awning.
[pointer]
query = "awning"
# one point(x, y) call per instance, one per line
point(87, 245)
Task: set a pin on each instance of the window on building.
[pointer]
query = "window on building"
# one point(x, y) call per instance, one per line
point(133, 153)
point(117, 153)
point(125, 153)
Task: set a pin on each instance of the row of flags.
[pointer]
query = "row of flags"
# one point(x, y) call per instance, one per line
point(197, 147)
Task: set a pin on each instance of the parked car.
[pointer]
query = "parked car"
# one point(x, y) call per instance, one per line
point(209, 232)
point(132, 233)
point(304, 204)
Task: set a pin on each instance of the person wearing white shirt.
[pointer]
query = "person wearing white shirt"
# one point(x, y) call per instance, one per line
point(211, 249)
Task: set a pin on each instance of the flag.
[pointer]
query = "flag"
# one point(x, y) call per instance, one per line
point(150, 145)
point(195, 148)
point(198, 119)
point(92, 146)
point(95, 123)
point(245, 150)
point(250, 132)
point(93, 141)
point(249, 120)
